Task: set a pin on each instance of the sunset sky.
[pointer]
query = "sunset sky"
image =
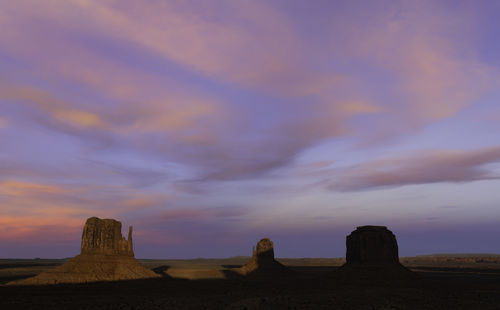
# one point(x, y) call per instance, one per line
point(208, 125)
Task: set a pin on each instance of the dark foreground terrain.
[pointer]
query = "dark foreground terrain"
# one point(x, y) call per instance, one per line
point(441, 283)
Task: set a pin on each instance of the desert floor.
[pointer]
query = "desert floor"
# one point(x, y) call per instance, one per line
point(442, 282)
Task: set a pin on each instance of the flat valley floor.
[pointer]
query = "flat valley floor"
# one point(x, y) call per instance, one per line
point(442, 282)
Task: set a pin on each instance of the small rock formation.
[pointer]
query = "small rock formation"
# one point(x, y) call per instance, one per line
point(372, 256)
point(105, 256)
point(264, 251)
point(262, 262)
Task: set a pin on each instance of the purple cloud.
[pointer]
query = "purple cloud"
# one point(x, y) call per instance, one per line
point(428, 167)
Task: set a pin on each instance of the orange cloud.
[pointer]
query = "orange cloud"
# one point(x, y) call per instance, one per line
point(43, 201)
point(176, 114)
point(142, 201)
point(15, 188)
point(359, 107)
point(4, 122)
point(32, 229)
point(163, 116)
point(80, 118)
point(59, 110)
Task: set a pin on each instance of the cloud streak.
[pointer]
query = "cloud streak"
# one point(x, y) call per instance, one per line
point(426, 168)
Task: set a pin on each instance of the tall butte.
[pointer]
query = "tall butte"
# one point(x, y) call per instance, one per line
point(372, 256)
point(105, 237)
point(105, 256)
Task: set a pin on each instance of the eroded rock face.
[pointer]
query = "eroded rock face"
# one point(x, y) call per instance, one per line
point(104, 236)
point(372, 244)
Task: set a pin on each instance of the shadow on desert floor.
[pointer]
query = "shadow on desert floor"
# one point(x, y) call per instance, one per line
point(432, 290)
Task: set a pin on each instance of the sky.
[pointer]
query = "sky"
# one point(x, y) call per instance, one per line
point(208, 125)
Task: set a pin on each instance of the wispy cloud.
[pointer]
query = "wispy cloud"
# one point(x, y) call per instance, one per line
point(162, 115)
point(424, 168)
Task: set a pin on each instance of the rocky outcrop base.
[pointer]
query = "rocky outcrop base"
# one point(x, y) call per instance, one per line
point(91, 268)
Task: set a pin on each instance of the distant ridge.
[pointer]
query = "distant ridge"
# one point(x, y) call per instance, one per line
point(457, 255)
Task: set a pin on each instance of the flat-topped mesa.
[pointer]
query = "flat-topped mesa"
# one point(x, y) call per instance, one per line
point(372, 257)
point(372, 244)
point(104, 236)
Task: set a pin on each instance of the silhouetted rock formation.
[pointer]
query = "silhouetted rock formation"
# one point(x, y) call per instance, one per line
point(105, 256)
point(372, 256)
point(262, 262)
point(372, 244)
